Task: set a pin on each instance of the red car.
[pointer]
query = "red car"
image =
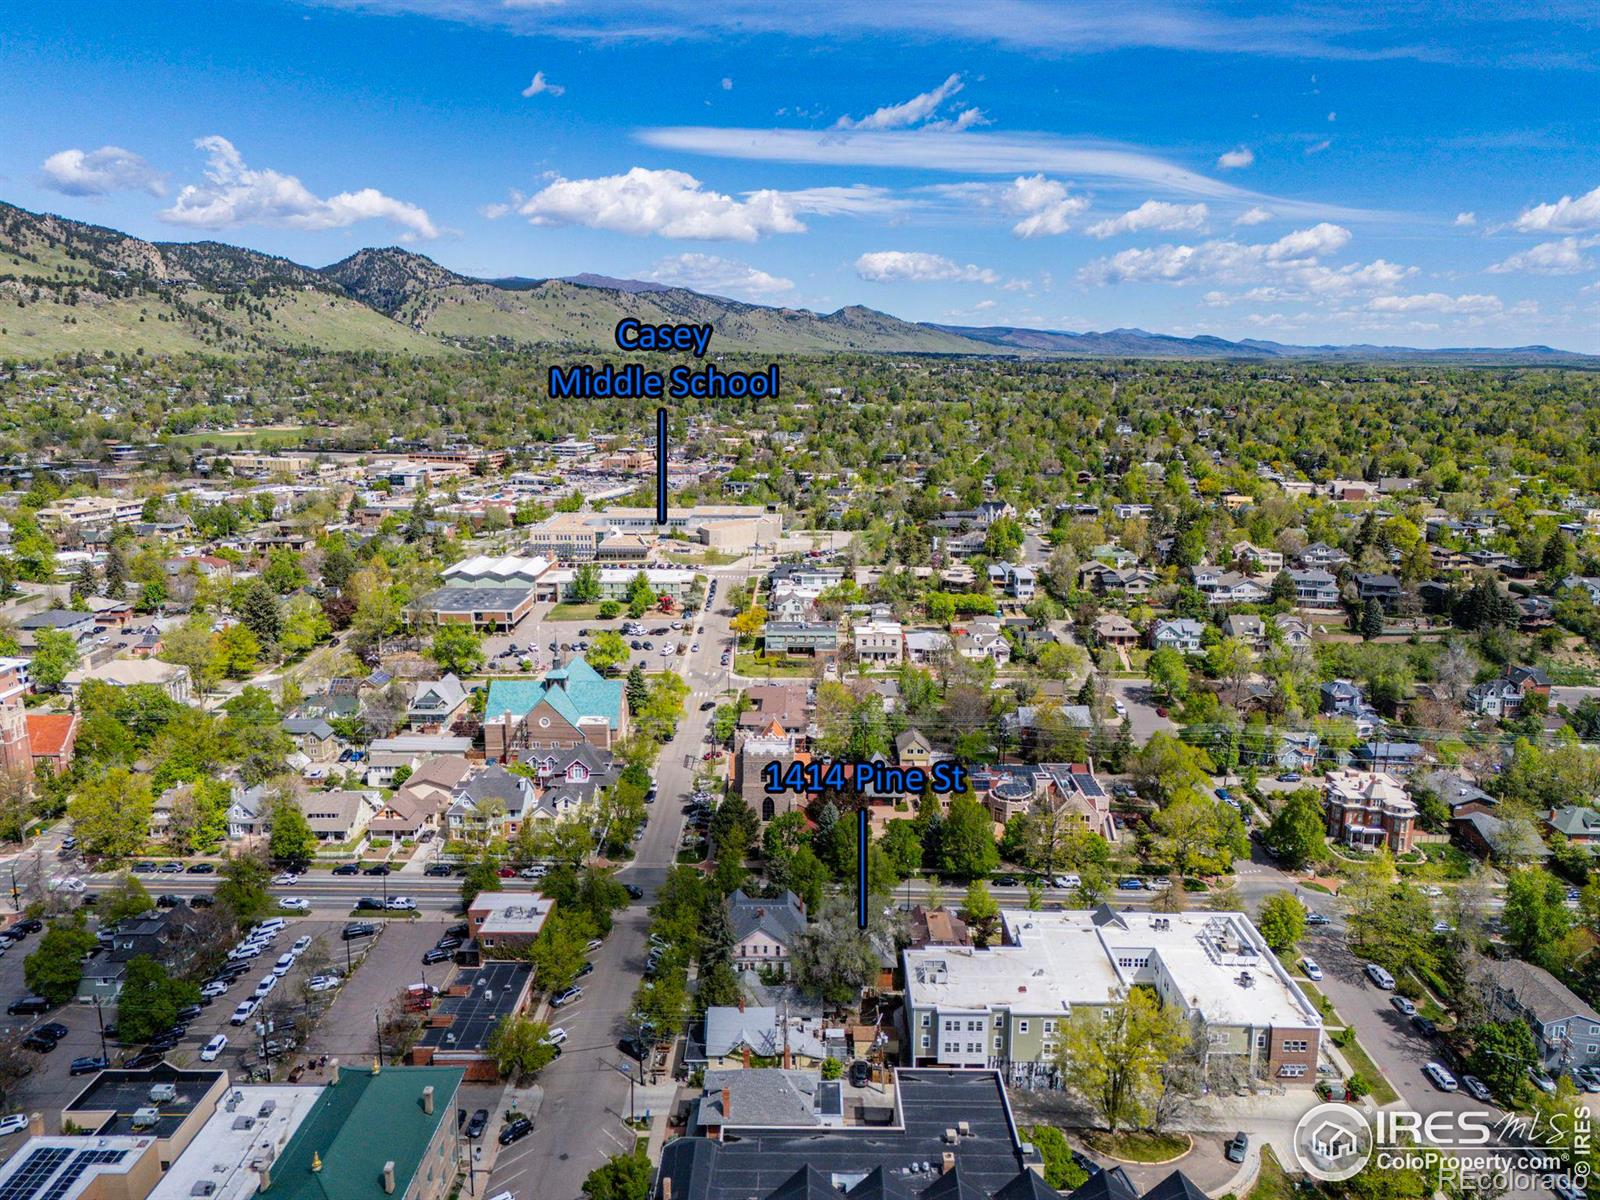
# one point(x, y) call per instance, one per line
point(507, 873)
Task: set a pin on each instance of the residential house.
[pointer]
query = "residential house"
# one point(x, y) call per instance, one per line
point(52, 737)
point(1320, 554)
point(436, 703)
point(1182, 635)
point(1385, 589)
point(981, 638)
point(423, 798)
point(314, 737)
point(801, 637)
point(1114, 629)
point(1247, 627)
point(1292, 630)
point(913, 749)
point(789, 704)
point(1297, 751)
point(171, 678)
point(569, 781)
point(1314, 588)
point(1389, 756)
point(765, 931)
point(879, 641)
point(1497, 698)
point(1578, 823)
point(1367, 809)
point(796, 1039)
point(490, 804)
point(936, 927)
point(1566, 1029)
point(1259, 561)
point(924, 646)
point(340, 817)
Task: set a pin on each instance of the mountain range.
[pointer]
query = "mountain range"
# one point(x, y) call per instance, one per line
point(67, 286)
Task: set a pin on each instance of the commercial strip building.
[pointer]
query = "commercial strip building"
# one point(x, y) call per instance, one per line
point(457, 1029)
point(583, 536)
point(950, 1136)
point(1007, 1006)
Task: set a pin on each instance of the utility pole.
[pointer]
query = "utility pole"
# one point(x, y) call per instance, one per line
point(377, 1024)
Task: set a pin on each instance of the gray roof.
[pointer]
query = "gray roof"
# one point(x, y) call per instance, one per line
point(783, 917)
point(727, 1028)
point(1544, 996)
point(764, 1096)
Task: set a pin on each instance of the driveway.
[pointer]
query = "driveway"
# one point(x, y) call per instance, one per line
point(1143, 720)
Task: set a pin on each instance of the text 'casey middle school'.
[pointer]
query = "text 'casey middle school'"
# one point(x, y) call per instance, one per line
point(582, 382)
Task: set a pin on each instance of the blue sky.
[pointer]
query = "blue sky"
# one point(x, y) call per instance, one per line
point(1419, 173)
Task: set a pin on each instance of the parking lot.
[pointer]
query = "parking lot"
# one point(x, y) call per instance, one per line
point(349, 1028)
point(534, 634)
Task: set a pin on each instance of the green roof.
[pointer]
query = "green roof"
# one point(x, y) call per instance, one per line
point(358, 1125)
point(575, 691)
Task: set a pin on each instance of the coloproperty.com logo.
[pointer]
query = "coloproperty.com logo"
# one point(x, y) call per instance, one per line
point(1462, 1150)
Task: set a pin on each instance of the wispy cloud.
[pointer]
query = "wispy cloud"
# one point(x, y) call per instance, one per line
point(920, 110)
point(914, 266)
point(975, 153)
point(1562, 257)
point(1236, 159)
point(1152, 214)
point(722, 276)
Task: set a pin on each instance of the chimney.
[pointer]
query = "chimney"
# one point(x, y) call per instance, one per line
point(747, 1058)
point(35, 1124)
point(727, 1104)
point(788, 1058)
point(741, 1001)
point(388, 1177)
point(666, 1189)
point(333, 1072)
point(427, 1099)
point(947, 1162)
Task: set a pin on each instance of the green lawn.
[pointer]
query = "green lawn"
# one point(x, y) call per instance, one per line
point(1361, 1063)
point(253, 439)
point(574, 612)
point(1272, 1182)
point(1141, 1145)
point(779, 666)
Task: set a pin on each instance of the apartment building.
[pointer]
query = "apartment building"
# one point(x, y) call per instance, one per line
point(1006, 1007)
point(1368, 809)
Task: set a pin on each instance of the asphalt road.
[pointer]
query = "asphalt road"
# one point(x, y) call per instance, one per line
point(581, 1117)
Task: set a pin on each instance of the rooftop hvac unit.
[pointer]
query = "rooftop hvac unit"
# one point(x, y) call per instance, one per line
point(145, 1118)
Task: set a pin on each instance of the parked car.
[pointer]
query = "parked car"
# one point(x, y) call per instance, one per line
point(15, 1123)
point(295, 904)
point(202, 868)
point(28, 1006)
point(323, 983)
point(1442, 1079)
point(170, 868)
point(1238, 1146)
point(516, 1131)
point(1315, 918)
point(377, 869)
point(37, 1041)
point(1541, 1080)
point(400, 904)
point(435, 955)
point(1424, 1026)
point(89, 1065)
point(1312, 968)
point(1130, 884)
point(1379, 976)
point(1475, 1088)
point(562, 999)
point(556, 1036)
point(243, 1012)
point(477, 1124)
point(437, 870)
point(349, 868)
point(1407, 1009)
point(358, 929)
point(1565, 1189)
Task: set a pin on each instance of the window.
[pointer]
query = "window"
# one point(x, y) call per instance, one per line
point(1296, 1046)
point(1261, 1041)
point(1049, 1028)
point(924, 1020)
point(997, 1045)
point(924, 1041)
point(974, 1047)
point(1022, 1027)
point(1291, 1070)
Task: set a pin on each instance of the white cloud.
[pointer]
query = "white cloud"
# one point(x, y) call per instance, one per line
point(1152, 214)
point(722, 276)
point(1566, 215)
point(1436, 302)
point(99, 172)
point(857, 200)
point(1466, 220)
point(1333, 116)
point(1318, 147)
point(1562, 257)
point(669, 204)
point(1291, 264)
point(1044, 205)
point(914, 266)
point(918, 110)
point(1233, 160)
point(1255, 215)
point(727, 84)
point(542, 87)
point(235, 194)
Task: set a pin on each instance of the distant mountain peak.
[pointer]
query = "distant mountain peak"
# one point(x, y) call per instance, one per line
point(610, 283)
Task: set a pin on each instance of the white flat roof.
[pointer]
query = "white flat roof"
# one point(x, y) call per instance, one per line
point(1054, 961)
point(228, 1148)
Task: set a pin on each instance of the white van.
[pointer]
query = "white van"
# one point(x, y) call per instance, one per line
point(244, 1012)
point(1380, 977)
point(283, 966)
point(264, 988)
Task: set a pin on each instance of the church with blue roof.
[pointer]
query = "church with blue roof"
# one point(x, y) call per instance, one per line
point(572, 705)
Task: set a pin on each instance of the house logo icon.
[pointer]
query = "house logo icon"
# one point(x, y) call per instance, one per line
point(1332, 1142)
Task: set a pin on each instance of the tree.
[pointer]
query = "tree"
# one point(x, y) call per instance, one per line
point(125, 898)
point(903, 848)
point(191, 645)
point(55, 656)
point(1112, 1057)
point(559, 951)
point(238, 652)
point(1169, 674)
point(981, 912)
point(242, 889)
point(586, 584)
point(111, 813)
point(54, 969)
point(1388, 920)
point(621, 1177)
point(1198, 835)
point(717, 985)
point(1297, 833)
point(607, 651)
point(1166, 765)
point(1282, 921)
point(1062, 660)
point(967, 848)
point(150, 999)
point(1371, 624)
point(261, 613)
point(1502, 1054)
point(290, 839)
point(834, 959)
point(520, 1047)
point(457, 649)
point(1536, 915)
point(750, 622)
point(483, 875)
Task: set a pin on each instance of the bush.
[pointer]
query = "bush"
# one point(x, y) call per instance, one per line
point(832, 1068)
point(1357, 1085)
point(1060, 1172)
